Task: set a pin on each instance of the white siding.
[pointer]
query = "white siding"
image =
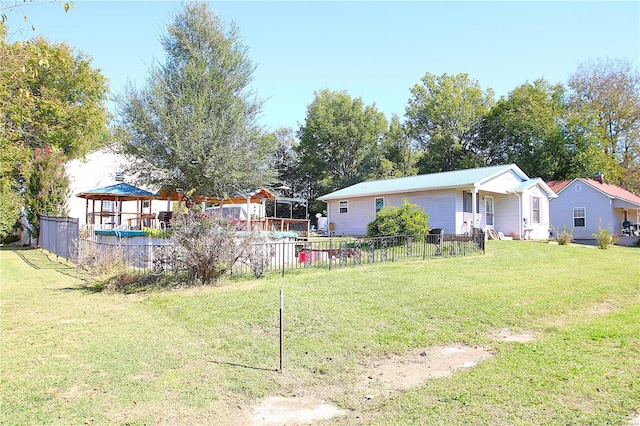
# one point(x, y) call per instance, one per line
point(501, 183)
point(539, 230)
point(440, 205)
point(96, 171)
point(507, 215)
point(598, 210)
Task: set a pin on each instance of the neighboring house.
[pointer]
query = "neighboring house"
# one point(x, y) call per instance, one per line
point(502, 198)
point(583, 205)
point(100, 168)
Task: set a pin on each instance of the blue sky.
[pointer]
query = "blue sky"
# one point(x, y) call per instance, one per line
point(372, 49)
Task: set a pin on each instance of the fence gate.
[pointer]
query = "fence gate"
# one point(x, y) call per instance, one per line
point(59, 235)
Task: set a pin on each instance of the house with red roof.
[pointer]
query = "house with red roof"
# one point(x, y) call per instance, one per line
point(583, 205)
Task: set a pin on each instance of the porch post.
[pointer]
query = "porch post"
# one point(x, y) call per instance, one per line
point(474, 198)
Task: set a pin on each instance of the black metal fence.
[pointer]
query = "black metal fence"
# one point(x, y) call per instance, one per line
point(282, 256)
point(59, 235)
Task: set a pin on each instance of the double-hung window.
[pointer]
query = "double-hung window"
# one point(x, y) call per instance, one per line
point(535, 209)
point(344, 207)
point(579, 217)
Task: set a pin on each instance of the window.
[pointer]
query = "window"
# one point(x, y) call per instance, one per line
point(107, 206)
point(488, 210)
point(379, 204)
point(344, 207)
point(579, 217)
point(467, 201)
point(535, 209)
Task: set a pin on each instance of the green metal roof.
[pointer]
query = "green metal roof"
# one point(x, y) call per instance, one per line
point(452, 179)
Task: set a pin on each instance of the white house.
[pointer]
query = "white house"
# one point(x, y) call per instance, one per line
point(583, 205)
point(501, 198)
point(100, 168)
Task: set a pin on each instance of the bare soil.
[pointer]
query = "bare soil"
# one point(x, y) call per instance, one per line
point(381, 378)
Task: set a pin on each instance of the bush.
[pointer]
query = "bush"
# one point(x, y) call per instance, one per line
point(563, 237)
point(207, 246)
point(408, 219)
point(604, 237)
point(100, 260)
point(157, 233)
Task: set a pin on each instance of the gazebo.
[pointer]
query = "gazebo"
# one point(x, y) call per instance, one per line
point(111, 212)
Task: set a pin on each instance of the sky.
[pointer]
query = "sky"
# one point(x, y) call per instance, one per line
point(375, 50)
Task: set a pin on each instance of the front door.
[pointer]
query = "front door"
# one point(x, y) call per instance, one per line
point(488, 211)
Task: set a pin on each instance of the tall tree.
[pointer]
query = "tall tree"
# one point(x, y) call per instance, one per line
point(195, 124)
point(48, 189)
point(338, 141)
point(287, 163)
point(606, 93)
point(528, 128)
point(443, 115)
point(49, 97)
point(397, 157)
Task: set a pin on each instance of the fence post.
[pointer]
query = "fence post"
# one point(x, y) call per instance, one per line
point(282, 255)
point(330, 253)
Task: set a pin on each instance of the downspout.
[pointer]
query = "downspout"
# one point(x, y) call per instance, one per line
point(329, 218)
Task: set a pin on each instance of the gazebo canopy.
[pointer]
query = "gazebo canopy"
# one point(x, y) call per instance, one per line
point(118, 192)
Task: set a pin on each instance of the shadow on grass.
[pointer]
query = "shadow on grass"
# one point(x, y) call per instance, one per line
point(231, 364)
point(37, 259)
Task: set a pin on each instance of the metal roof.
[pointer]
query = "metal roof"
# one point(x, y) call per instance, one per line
point(442, 180)
point(612, 191)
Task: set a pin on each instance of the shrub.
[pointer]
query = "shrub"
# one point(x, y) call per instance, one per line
point(563, 237)
point(157, 233)
point(604, 237)
point(207, 246)
point(408, 219)
point(100, 260)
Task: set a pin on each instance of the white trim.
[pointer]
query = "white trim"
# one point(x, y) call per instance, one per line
point(573, 217)
point(375, 203)
point(486, 211)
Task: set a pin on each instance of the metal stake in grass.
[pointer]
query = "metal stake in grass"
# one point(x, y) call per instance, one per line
point(281, 328)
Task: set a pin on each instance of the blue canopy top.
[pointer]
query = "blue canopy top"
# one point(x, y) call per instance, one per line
point(120, 191)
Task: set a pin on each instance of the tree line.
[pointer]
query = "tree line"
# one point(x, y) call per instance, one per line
point(194, 125)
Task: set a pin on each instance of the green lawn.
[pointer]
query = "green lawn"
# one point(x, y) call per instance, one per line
point(206, 355)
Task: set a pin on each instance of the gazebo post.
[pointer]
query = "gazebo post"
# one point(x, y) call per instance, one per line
point(249, 213)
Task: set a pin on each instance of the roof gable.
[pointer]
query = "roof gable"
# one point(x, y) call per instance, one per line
point(442, 180)
point(614, 191)
point(610, 190)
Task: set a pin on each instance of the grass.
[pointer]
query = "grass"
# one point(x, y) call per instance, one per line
point(70, 355)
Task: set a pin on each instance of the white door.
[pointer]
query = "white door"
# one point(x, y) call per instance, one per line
point(488, 211)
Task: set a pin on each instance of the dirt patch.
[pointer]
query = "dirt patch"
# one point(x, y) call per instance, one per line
point(293, 411)
point(414, 369)
point(601, 308)
point(380, 378)
point(506, 335)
